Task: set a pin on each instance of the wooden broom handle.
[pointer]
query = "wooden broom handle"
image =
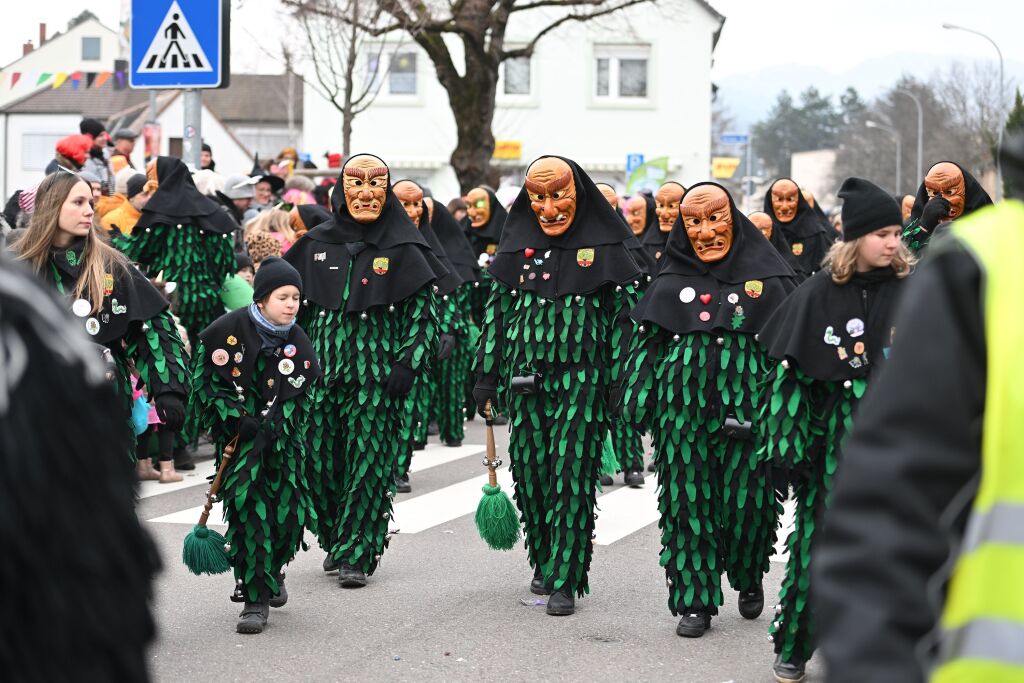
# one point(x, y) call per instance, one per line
point(229, 450)
point(492, 474)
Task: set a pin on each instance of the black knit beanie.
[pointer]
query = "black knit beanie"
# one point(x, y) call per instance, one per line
point(866, 208)
point(91, 127)
point(135, 184)
point(274, 272)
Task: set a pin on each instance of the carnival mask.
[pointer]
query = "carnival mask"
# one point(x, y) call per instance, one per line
point(946, 179)
point(552, 191)
point(707, 217)
point(609, 193)
point(478, 207)
point(411, 197)
point(636, 214)
point(808, 197)
point(762, 222)
point(907, 205)
point(785, 195)
point(366, 187)
point(666, 204)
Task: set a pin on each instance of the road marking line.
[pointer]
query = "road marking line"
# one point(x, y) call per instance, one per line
point(438, 454)
point(625, 510)
point(446, 504)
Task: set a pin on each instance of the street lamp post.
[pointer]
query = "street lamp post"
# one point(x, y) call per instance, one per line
point(920, 133)
point(1002, 103)
point(899, 148)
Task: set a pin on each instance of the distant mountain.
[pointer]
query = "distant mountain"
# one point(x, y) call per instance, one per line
point(749, 96)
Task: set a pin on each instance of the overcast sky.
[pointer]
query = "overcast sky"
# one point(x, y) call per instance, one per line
point(831, 35)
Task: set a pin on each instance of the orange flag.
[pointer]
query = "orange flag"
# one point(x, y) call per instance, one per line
point(102, 78)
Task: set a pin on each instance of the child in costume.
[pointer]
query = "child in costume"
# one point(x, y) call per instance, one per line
point(252, 370)
point(370, 311)
point(112, 301)
point(564, 282)
point(824, 342)
point(691, 383)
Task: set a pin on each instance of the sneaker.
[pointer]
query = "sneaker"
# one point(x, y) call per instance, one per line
point(253, 618)
point(787, 672)
point(350, 577)
point(693, 624)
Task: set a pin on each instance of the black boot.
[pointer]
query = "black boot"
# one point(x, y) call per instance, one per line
point(751, 603)
point(432, 429)
point(500, 420)
point(330, 564)
point(693, 624)
point(787, 672)
point(350, 577)
point(633, 478)
point(561, 603)
point(183, 459)
point(419, 445)
point(253, 618)
point(281, 599)
point(537, 586)
point(454, 443)
point(606, 480)
point(402, 484)
point(651, 468)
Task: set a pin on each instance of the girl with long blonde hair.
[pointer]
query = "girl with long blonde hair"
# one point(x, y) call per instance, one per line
point(823, 343)
point(112, 300)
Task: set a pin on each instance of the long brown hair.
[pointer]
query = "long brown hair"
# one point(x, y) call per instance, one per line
point(98, 258)
point(841, 261)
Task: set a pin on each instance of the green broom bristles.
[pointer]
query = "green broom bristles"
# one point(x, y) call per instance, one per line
point(203, 552)
point(609, 463)
point(496, 519)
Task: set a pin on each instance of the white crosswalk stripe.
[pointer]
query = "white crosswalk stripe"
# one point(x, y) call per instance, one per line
point(621, 511)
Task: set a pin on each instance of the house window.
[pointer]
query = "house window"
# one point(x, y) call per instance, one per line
point(90, 48)
point(402, 76)
point(621, 72)
point(517, 76)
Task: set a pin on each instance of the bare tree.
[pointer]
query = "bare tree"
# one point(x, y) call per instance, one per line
point(350, 61)
point(479, 26)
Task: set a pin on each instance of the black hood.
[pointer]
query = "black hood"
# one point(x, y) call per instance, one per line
point(975, 196)
point(591, 253)
point(455, 243)
point(806, 235)
point(312, 215)
point(449, 282)
point(178, 201)
point(490, 232)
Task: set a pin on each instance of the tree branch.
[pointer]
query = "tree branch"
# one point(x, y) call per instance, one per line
point(527, 50)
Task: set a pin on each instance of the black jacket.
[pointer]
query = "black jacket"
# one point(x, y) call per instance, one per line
point(907, 482)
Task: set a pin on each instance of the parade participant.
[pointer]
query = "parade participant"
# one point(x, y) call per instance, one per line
point(824, 342)
point(691, 383)
point(369, 310)
point(251, 372)
point(948, 192)
point(424, 389)
point(906, 206)
point(916, 579)
point(764, 223)
point(187, 237)
point(305, 217)
point(636, 248)
point(452, 405)
point(796, 221)
point(826, 224)
point(78, 565)
point(564, 284)
point(666, 202)
point(266, 188)
point(640, 214)
point(485, 217)
point(124, 217)
point(115, 304)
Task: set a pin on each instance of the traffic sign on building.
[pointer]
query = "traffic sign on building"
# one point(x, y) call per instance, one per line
point(180, 44)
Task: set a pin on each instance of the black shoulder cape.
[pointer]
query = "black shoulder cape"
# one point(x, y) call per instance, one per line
point(177, 200)
point(737, 294)
point(312, 215)
point(654, 240)
point(128, 296)
point(591, 253)
point(975, 196)
point(648, 266)
point(455, 243)
point(826, 330)
point(232, 346)
point(449, 282)
point(807, 239)
point(781, 244)
point(383, 262)
point(490, 232)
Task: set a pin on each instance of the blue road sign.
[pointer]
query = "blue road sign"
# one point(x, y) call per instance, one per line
point(633, 162)
point(180, 44)
point(734, 138)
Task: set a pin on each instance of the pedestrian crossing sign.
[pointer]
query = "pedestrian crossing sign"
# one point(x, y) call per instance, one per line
point(179, 44)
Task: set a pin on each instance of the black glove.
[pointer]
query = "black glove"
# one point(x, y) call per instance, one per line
point(399, 382)
point(445, 346)
point(171, 411)
point(482, 395)
point(935, 210)
point(248, 428)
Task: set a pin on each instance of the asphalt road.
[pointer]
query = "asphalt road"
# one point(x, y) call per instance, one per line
point(443, 607)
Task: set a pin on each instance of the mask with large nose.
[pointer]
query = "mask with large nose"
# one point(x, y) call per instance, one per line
point(707, 217)
point(552, 191)
point(365, 181)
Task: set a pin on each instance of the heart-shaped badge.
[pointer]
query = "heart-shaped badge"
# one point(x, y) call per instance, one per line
point(529, 251)
point(705, 299)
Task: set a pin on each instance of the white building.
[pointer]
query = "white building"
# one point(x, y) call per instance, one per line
point(634, 82)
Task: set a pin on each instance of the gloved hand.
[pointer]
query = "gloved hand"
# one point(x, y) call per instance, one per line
point(445, 346)
point(482, 395)
point(935, 210)
point(248, 428)
point(399, 382)
point(171, 411)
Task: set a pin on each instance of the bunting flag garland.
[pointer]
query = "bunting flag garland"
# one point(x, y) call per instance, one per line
point(93, 79)
point(76, 78)
point(59, 80)
point(14, 78)
point(102, 78)
point(90, 76)
point(43, 77)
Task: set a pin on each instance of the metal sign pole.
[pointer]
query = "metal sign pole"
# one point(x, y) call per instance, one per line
point(192, 141)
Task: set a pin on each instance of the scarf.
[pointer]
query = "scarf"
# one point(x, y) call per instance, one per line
point(271, 335)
